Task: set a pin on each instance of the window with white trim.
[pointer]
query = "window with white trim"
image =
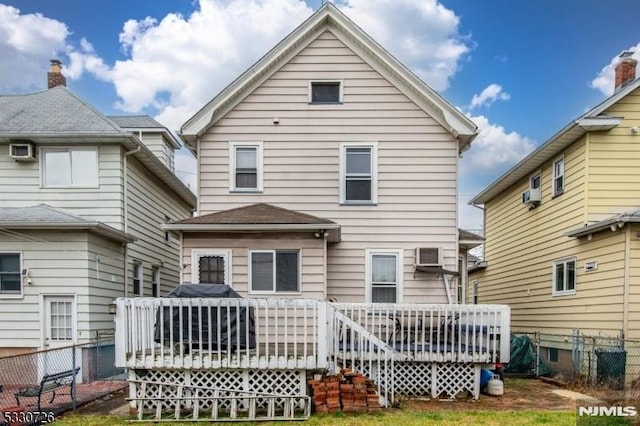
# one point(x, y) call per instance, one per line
point(137, 279)
point(474, 286)
point(70, 167)
point(10, 274)
point(384, 276)
point(564, 276)
point(245, 166)
point(155, 281)
point(274, 271)
point(358, 169)
point(534, 181)
point(558, 176)
point(211, 266)
point(325, 92)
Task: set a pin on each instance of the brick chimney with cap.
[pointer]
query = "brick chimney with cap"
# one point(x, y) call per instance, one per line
point(55, 76)
point(625, 70)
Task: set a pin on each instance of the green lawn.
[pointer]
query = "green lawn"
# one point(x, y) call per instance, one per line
point(397, 417)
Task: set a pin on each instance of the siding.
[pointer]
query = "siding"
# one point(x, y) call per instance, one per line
point(614, 175)
point(312, 257)
point(20, 183)
point(634, 282)
point(417, 164)
point(159, 148)
point(149, 201)
point(522, 244)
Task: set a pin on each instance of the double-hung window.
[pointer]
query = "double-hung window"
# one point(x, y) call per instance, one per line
point(137, 279)
point(10, 274)
point(274, 271)
point(245, 166)
point(155, 281)
point(384, 276)
point(70, 167)
point(558, 176)
point(358, 173)
point(564, 277)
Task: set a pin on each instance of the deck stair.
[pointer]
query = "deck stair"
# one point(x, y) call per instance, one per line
point(169, 402)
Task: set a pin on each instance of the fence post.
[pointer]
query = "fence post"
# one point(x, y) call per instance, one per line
point(73, 378)
point(575, 351)
point(593, 363)
point(537, 342)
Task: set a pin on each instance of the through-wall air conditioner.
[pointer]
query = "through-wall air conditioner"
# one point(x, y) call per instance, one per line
point(22, 151)
point(428, 256)
point(531, 196)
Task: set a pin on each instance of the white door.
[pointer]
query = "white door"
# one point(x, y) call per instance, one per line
point(59, 320)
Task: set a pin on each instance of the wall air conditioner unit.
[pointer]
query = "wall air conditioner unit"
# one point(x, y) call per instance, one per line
point(22, 151)
point(531, 196)
point(428, 256)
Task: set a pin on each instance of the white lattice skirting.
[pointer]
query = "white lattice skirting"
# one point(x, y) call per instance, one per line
point(435, 380)
point(278, 382)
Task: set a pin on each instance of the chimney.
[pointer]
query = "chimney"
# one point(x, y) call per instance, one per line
point(625, 70)
point(55, 76)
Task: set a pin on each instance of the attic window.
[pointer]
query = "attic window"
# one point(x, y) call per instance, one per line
point(325, 92)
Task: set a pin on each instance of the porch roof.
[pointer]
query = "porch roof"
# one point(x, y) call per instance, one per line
point(259, 217)
point(613, 223)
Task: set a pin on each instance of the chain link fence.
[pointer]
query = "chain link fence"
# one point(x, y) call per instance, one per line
point(55, 380)
point(594, 361)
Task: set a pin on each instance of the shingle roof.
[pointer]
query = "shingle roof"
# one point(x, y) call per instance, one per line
point(136, 121)
point(613, 222)
point(261, 213)
point(53, 111)
point(43, 216)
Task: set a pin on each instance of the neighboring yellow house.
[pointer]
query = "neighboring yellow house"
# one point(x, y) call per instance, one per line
point(562, 227)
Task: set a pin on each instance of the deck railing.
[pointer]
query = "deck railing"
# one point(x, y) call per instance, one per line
point(299, 333)
point(435, 332)
point(220, 333)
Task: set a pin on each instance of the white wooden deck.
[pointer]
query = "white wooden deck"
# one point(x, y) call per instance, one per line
point(303, 334)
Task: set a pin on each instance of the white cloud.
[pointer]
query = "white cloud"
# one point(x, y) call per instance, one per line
point(423, 34)
point(488, 96)
point(27, 43)
point(494, 148)
point(605, 79)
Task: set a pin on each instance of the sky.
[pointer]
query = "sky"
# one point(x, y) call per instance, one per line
point(521, 70)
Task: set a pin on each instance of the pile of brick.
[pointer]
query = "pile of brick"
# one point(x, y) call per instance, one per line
point(346, 391)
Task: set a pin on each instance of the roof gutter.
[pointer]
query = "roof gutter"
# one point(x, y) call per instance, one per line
point(613, 224)
point(97, 227)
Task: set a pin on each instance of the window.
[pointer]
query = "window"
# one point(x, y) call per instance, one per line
point(10, 274)
point(246, 166)
point(384, 276)
point(325, 92)
point(167, 234)
point(534, 181)
point(137, 279)
point(70, 167)
point(274, 271)
point(359, 173)
point(558, 176)
point(155, 281)
point(211, 266)
point(474, 285)
point(60, 320)
point(564, 277)
point(553, 354)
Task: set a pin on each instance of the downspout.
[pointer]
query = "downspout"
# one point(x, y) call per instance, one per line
point(125, 185)
point(625, 292)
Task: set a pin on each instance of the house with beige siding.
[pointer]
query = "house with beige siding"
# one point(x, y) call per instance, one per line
point(562, 243)
point(343, 164)
point(83, 199)
point(327, 201)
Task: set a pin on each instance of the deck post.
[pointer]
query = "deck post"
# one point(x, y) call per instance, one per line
point(121, 330)
point(323, 342)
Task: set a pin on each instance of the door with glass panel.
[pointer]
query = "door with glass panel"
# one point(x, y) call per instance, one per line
point(59, 320)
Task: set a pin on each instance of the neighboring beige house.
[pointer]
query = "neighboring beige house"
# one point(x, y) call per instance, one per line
point(83, 198)
point(562, 227)
point(322, 171)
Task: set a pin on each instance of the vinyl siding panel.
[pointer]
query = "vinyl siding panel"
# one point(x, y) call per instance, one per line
point(21, 187)
point(149, 201)
point(417, 165)
point(614, 176)
point(522, 244)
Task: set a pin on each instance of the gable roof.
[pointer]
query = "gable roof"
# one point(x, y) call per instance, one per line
point(592, 120)
point(254, 218)
point(613, 223)
point(58, 116)
point(46, 217)
point(329, 17)
point(144, 123)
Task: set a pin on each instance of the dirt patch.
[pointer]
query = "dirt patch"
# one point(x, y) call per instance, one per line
point(519, 394)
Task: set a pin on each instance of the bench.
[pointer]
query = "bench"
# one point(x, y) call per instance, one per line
point(50, 383)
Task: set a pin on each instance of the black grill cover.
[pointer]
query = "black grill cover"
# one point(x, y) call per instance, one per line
point(237, 325)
